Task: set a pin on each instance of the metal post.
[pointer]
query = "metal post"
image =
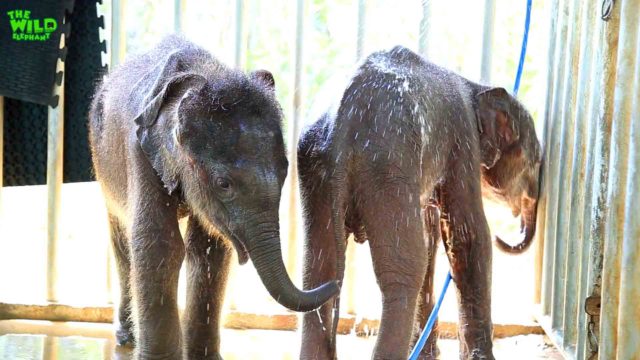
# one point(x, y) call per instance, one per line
point(118, 42)
point(628, 325)
point(178, 12)
point(55, 140)
point(423, 36)
point(611, 344)
point(362, 12)
point(574, 315)
point(292, 260)
point(487, 41)
point(552, 165)
point(350, 249)
point(239, 34)
point(565, 155)
point(541, 272)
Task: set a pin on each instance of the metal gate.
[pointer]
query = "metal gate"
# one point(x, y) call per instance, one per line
point(589, 222)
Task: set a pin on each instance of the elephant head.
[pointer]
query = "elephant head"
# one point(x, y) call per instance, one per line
point(217, 143)
point(511, 158)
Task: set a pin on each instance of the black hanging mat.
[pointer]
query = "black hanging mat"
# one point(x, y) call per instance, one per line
point(25, 128)
point(30, 46)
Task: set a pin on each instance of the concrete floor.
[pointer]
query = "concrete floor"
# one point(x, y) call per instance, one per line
point(27, 340)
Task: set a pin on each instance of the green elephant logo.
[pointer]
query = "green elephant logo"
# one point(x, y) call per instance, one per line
point(25, 28)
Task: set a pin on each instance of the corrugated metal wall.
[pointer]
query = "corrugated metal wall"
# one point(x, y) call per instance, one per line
point(589, 223)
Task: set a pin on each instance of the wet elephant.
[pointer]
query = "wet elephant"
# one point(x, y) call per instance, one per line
point(402, 159)
point(176, 133)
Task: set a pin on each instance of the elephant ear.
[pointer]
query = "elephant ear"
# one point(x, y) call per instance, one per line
point(497, 126)
point(264, 78)
point(156, 140)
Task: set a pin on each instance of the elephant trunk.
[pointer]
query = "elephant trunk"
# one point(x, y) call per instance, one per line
point(527, 228)
point(264, 250)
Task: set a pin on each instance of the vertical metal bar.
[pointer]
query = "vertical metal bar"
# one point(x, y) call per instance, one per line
point(563, 209)
point(542, 275)
point(350, 250)
point(55, 137)
point(178, 12)
point(50, 349)
point(238, 55)
point(423, 36)
point(552, 165)
point(573, 315)
point(594, 42)
point(598, 208)
point(118, 41)
point(362, 25)
point(292, 260)
point(616, 195)
point(628, 324)
point(487, 41)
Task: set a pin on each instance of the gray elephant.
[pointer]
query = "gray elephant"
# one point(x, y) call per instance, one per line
point(402, 159)
point(176, 133)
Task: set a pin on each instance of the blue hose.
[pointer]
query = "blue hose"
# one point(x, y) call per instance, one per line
point(432, 319)
point(434, 313)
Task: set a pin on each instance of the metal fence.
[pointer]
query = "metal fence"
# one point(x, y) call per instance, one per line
point(589, 222)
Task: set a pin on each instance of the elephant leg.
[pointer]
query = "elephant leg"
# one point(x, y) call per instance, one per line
point(467, 241)
point(157, 252)
point(319, 267)
point(398, 249)
point(120, 245)
point(208, 261)
point(427, 299)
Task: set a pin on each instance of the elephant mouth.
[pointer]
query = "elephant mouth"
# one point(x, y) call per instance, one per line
point(241, 249)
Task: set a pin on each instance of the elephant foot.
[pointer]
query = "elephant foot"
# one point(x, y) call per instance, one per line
point(125, 337)
point(176, 355)
point(430, 353)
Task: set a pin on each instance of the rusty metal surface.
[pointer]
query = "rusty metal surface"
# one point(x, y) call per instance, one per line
point(589, 220)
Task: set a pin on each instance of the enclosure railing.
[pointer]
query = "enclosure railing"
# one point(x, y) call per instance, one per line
point(588, 210)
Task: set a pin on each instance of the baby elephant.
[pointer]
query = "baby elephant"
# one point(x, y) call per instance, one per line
point(176, 133)
point(405, 137)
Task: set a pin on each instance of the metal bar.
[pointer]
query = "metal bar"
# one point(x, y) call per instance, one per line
point(616, 195)
point(552, 146)
point(563, 209)
point(576, 177)
point(628, 324)
point(238, 54)
point(362, 25)
point(350, 249)
point(594, 44)
point(598, 209)
point(552, 167)
point(292, 260)
point(423, 36)
point(50, 349)
point(118, 41)
point(55, 137)
point(541, 295)
point(487, 41)
point(617, 181)
point(178, 13)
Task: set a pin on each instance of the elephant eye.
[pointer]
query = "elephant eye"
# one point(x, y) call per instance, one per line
point(223, 183)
